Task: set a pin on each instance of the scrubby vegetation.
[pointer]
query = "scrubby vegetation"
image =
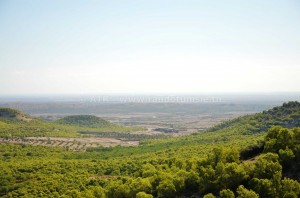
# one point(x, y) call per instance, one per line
point(85, 121)
point(14, 123)
point(207, 164)
point(11, 113)
point(287, 115)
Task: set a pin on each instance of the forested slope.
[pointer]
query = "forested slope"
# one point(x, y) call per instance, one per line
point(242, 132)
point(206, 164)
point(287, 115)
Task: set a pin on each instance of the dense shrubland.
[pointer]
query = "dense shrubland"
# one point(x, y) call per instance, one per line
point(287, 115)
point(232, 161)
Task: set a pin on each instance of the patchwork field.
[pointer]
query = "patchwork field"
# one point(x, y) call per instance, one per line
point(72, 144)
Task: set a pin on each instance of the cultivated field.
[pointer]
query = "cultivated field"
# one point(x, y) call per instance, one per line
point(73, 144)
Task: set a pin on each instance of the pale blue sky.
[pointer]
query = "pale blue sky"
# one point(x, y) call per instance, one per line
point(156, 46)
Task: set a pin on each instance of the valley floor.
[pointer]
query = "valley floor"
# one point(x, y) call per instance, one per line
point(73, 144)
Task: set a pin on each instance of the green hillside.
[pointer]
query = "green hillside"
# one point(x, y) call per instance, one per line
point(287, 115)
point(8, 114)
point(85, 121)
point(14, 123)
point(207, 164)
point(243, 131)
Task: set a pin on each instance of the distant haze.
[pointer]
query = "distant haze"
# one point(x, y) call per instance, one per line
point(272, 99)
point(171, 46)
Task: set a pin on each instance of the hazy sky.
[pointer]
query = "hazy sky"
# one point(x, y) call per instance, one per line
point(149, 46)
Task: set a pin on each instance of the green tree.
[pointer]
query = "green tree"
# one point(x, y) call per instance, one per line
point(278, 138)
point(208, 181)
point(141, 185)
point(192, 181)
point(166, 188)
point(98, 191)
point(264, 187)
point(243, 192)
point(143, 195)
point(286, 156)
point(226, 193)
point(290, 186)
point(230, 174)
point(266, 166)
point(209, 195)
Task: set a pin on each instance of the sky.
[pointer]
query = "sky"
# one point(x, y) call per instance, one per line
point(157, 46)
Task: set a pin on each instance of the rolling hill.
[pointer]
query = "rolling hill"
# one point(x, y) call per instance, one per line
point(85, 121)
point(9, 114)
point(206, 164)
point(14, 123)
point(287, 115)
point(244, 131)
